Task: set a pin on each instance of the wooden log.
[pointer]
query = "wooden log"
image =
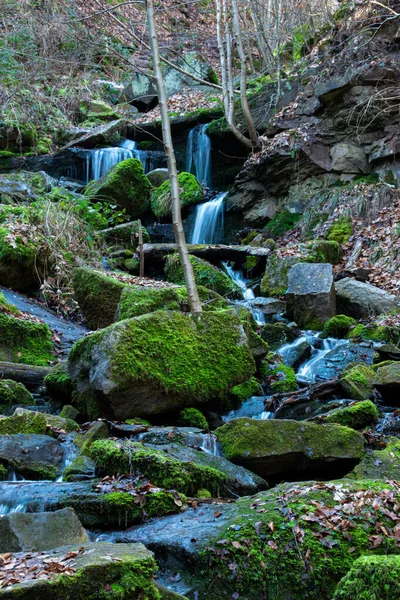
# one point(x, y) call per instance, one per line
point(31, 376)
point(316, 391)
point(211, 252)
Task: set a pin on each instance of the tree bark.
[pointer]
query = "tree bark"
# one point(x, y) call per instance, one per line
point(30, 376)
point(194, 300)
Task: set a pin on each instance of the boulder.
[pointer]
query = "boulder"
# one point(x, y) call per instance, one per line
point(356, 416)
point(24, 415)
point(357, 381)
point(311, 294)
point(97, 110)
point(23, 421)
point(159, 362)
point(387, 382)
point(22, 258)
point(193, 63)
point(125, 185)
point(296, 450)
point(333, 363)
point(141, 92)
point(108, 134)
point(380, 464)
point(157, 177)
point(190, 193)
point(32, 456)
point(24, 185)
point(371, 577)
point(40, 531)
point(295, 354)
point(275, 279)
point(81, 468)
point(96, 567)
point(362, 300)
point(59, 385)
point(338, 327)
point(12, 392)
point(269, 306)
point(277, 334)
point(98, 431)
point(348, 158)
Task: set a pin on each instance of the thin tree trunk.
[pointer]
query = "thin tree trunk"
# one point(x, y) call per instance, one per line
point(194, 300)
point(141, 253)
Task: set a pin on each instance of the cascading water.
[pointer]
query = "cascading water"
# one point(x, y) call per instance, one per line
point(198, 154)
point(309, 371)
point(248, 294)
point(211, 445)
point(209, 222)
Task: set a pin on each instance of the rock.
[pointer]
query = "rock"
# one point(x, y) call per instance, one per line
point(22, 259)
point(380, 464)
point(141, 92)
point(24, 185)
point(125, 185)
point(190, 193)
point(125, 235)
point(193, 417)
point(338, 327)
point(69, 412)
point(23, 422)
point(297, 450)
point(269, 306)
point(277, 335)
point(56, 421)
point(311, 295)
point(108, 134)
point(157, 177)
point(82, 468)
point(362, 300)
point(40, 531)
point(387, 382)
point(58, 384)
point(188, 436)
point(240, 393)
point(296, 354)
point(279, 377)
point(12, 392)
point(205, 275)
point(348, 158)
point(193, 63)
point(323, 251)
point(357, 381)
point(98, 431)
point(333, 363)
point(356, 416)
point(31, 455)
point(370, 576)
point(98, 566)
point(388, 352)
point(376, 333)
point(97, 110)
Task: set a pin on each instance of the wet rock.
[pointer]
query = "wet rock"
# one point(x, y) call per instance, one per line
point(40, 531)
point(298, 450)
point(357, 382)
point(311, 295)
point(12, 392)
point(98, 431)
point(157, 177)
point(296, 354)
point(362, 300)
point(82, 468)
point(108, 134)
point(132, 569)
point(277, 335)
point(356, 416)
point(32, 456)
point(269, 306)
point(380, 464)
point(387, 382)
point(388, 352)
point(348, 158)
point(333, 363)
point(188, 436)
point(159, 362)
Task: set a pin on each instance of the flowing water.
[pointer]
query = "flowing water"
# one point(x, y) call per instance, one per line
point(209, 222)
point(211, 444)
point(198, 155)
point(248, 295)
point(309, 372)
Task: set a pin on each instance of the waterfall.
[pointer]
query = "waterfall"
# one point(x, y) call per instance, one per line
point(308, 373)
point(211, 445)
point(209, 222)
point(248, 294)
point(198, 154)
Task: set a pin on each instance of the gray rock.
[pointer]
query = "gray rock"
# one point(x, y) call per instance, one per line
point(387, 382)
point(157, 177)
point(141, 92)
point(311, 294)
point(32, 456)
point(40, 531)
point(82, 468)
point(296, 354)
point(333, 363)
point(348, 158)
point(362, 300)
point(269, 306)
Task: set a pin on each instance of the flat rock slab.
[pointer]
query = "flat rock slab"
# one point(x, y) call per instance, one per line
point(91, 571)
point(32, 456)
point(269, 306)
point(40, 531)
point(311, 294)
point(361, 300)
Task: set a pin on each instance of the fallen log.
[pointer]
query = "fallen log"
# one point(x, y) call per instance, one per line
point(214, 253)
point(31, 376)
point(323, 390)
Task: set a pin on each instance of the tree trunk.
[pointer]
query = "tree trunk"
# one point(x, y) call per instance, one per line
point(195, 304)
point(30, 376)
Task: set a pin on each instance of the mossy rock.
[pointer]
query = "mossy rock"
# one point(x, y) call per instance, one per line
point(376, 333)
point(69, 412)
point(279, 377)
point(277, 334)
point(371, 578)
point(125, 185)
point(190, 193)
point(380, 464)
point(58, 383)
point(338, 327)
point(125, 235)
point(273, 447)
point(357, 381)
point(275, 279)
point(159, 362)
point(12, 392)
point(281, 223)
point(340, 231)
point(325, 251)
point(242, 392)
point(23, 422)
point(122, 457)
point(84, 441)
point(205, 274)
point(387, 381)
point(356, 416)
point(22, 260)
point(193, 417)
point(22, 340)
point(97, 110)
point(81, 468)
point(25, 185)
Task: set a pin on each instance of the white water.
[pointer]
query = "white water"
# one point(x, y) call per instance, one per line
point(308, 372)
point(211, 445)
point(198, 154)
point(209, 222)
point(248, 294)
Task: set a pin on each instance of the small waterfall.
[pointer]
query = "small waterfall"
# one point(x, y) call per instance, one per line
point(198, 155)
point(211, 445)
point(209, 222)
point(308, 372)
point(248, 294)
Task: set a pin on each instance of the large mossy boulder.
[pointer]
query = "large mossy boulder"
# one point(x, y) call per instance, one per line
point(296, 449)
point(190, 193)
point(338, 327)
point(41, 531)
point(356, 416)
point(97, 110)
point(357, 381)
point(99, 570)
point(275, 279)
point(205, 274)
point(125, 185)
point(22, 259)
point(59, 385)
point(23, 340)
point(158, 363)
point(12, 392)
point(24, 185)
point(371, 578)
point(32, 456)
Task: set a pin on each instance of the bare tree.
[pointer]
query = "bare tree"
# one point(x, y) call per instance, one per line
point(195, 304)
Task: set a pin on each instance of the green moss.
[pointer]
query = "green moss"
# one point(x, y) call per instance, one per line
point(205, 275)
point(25, 422)
point(377, 333)
point(325, 251)
point(12, 392)
point(24, 341)
point(124, 507)
point(3, 473)
point(340, 231)
point(203, 494)
point(18, 250)
point(357, 381)
point(138, 422)
point(112, 457)
point(97, 110)
point(275, 279)
point(84, 441)
point(59, 384)
point(380, 464)
point(282, 222)
point(250, 262)
point(277, 334)
point(193, 417)
point(190, 193)
point(279, 377)
point(218, 127)
point(242, 392)
point(125, 185)
point(358, 416)
point(371, 578)
point(338, 326)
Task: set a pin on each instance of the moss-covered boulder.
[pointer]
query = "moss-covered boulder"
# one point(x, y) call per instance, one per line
point(242, 392)
point(275, 279)
point(328, 251)
point(58, 383)
point(97, 110)
point(125, 185)
point(23, 340)
point(357, 381)
point(338, 327)
point(279, 377)
point(98, 431)
point(190, 192)
point(101, 569)
point(32, 456)
point(25, 185)
point(387, 382)
point(205, 274)
point(22, 259)
point(23, 422)
point(82, 468)
point(12, 392)
point(277, 334)
point(376, 333)
point(371, 578)
point(297, 449)
point(356, 416)
point(192, 417)
point(123, 457)
point(159, 362)
point(380, 464)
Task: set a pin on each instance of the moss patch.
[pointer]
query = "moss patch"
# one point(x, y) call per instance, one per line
point(97, 295)
point(12, 392)
point(371, 578)
point(24, 422)
point(340, 231)
point(358, 416)
point(357, 381)
point(58, 383)
point(281, 223)
point(338, 326)
point(193, 417)
point(242, 392)
point(277, 375)
point(380, 464)
point(190, 192)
